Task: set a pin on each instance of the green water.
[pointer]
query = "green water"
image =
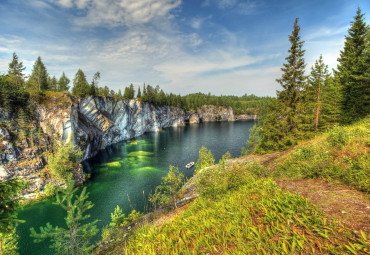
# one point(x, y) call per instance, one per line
point(124, 173)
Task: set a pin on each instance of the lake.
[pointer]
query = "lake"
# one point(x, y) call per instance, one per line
point(125, 173)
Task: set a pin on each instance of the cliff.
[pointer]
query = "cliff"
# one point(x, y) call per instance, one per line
point(92, 123)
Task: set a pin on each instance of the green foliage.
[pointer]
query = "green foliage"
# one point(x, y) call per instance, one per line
point(205, 159)
point(51, 189)
point(8, 204)
point(353, 71)
point(256, 218)
point(65, 158)
point(39, 77)
point(15, 72)
point(80, 85)
point(75, 239)
point(117, 217)
point(285, 124)
point(341, 155)
point(322, 98)
point(167, 191)
point(63, 83)
point(338, 136)
point(129, 92)
point(9, 242)
point(253, 140)
point(12, 97)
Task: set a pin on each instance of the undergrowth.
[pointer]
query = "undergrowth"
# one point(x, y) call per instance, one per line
point(256, 218)
point(343, 155)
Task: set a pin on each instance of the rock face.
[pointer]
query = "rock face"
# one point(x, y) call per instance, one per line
point(97, 122)
point(246, 117)
point(211, 113)
point(92, 123)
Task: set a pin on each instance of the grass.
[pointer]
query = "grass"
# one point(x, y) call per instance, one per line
point(256, 218)
point(343, 154)
point(241, 209)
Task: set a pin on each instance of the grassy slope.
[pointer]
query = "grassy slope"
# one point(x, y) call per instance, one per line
point(242, 209)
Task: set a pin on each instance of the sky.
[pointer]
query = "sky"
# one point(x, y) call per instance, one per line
point(226, 47)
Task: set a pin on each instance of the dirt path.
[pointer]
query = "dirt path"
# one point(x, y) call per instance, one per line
point(337, 201)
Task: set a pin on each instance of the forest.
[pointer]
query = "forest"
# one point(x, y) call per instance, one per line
point(331, 107)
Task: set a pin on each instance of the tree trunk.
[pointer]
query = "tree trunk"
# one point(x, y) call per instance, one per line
point(318, 106)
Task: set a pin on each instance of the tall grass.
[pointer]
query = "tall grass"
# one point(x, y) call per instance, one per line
point(257, 218)
point(343, 154)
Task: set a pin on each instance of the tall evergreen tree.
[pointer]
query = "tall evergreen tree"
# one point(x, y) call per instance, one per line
point(94, 89)
point(353, 71)
point(138, 93)
point(15, 71)
point(76, 238)
point(285, 124)
point(39, 77)
point(53, 83)
point(8, 215)
point(80, 85)
point(63, 83)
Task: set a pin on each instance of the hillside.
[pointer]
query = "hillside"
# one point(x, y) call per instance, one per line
point(313, 198)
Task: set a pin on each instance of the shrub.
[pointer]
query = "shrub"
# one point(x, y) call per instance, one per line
point(338, 136)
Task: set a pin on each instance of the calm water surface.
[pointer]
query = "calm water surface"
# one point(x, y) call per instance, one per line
point(125, 173)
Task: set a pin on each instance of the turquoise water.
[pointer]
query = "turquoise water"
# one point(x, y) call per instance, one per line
point(125, 173)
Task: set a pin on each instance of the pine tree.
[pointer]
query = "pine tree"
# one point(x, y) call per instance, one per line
point(94, 89)
point(286, 122)
point(63, 83)
point(138, 93)
point(80, 85)
point(205, 159)
point(39, 77)
point(353, 71)
point(52, 83)
point(76, 238)
point(15, 71)
point(9, 242)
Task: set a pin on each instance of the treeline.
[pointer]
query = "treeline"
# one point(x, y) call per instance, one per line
point(313, 103)
point(15, 89)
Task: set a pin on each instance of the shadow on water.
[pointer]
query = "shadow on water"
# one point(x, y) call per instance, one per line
point(125, 173)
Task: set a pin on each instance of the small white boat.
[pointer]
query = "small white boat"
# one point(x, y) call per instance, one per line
point(190, 164)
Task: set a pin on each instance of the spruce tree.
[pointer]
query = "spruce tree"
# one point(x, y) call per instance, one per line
point(39, 77)
point(138, 93)
point(80, 85)
point(293, 80)
point(286, 123)
point(63, 83)
point(321, 97)
point(53, 83)
point(353, 71)
point(15, 71)
point(75, 239)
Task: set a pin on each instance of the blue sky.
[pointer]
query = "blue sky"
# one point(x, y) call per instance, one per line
point(185, 46)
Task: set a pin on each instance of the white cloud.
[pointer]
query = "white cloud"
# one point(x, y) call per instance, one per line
point(113, 13)
point(240, 6)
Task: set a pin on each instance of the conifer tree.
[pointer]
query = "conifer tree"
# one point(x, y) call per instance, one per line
point(8, 215)
point(94, 84)
point(63, 83)
point(80, 85)
point(15, 71)
point(39, 77)
point(286, 122)
point(53, 83)
point(138, 93)
point(353, 71)
point(75, 239)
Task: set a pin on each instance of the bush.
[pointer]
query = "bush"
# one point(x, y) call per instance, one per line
point(338, 136)
point(51, 189)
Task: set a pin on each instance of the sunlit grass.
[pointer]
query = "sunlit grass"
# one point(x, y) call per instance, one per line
point(258, 218)
point(343, 154)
